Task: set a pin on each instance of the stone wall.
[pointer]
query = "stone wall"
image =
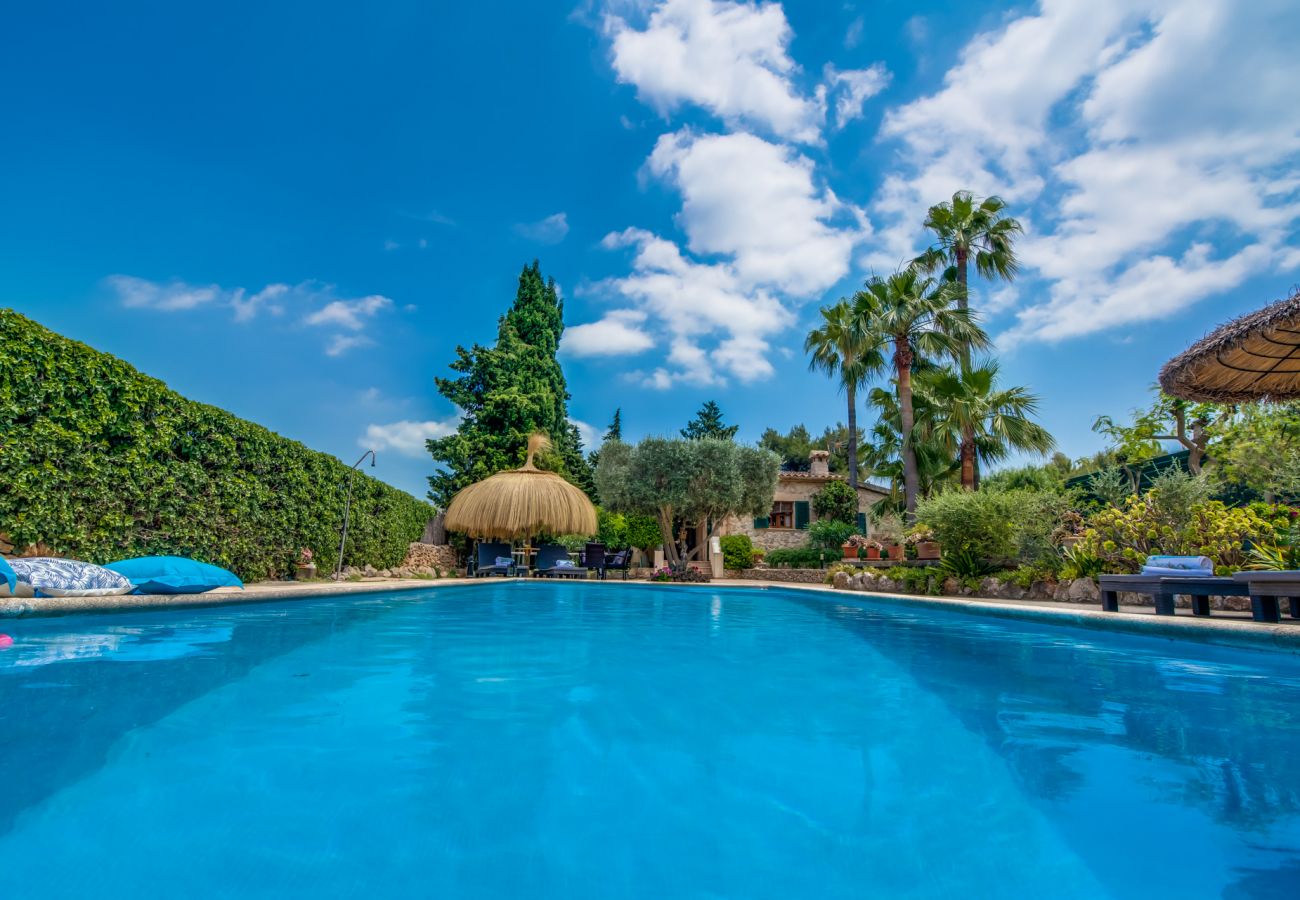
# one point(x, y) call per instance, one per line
point(787, 576)
point(439, 556)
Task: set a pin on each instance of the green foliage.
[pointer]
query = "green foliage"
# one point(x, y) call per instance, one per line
point(1281, 555)
point(837, 501)
point(708, 424)
point(1124, 538)
point(1003, 527)
point(737, 551)
point(1079, 563)
point(964, 564)
point(1110, 487)
point(829, 534)
point(1260, 450)
point(101, 462)
point(508, 391)
point(572, 542)
point(618, 531)
point(686, 481)
point(798, 558)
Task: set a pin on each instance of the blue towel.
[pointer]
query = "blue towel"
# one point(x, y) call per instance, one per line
point(1181, 562)
point(504, 561)
point(564, 564)
point(1177, 573)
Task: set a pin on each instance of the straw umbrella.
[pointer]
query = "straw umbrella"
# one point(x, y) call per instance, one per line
point(1256, 357)
point(521, 503)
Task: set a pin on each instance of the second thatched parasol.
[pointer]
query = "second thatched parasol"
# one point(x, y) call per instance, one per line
point(1256, 357)
point(521, 503)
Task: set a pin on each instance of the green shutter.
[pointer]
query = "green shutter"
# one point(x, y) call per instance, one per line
point(802, 514)
point(862, 523)
point(760, 522)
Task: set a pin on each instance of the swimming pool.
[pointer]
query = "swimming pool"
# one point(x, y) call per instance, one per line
point(607, 740)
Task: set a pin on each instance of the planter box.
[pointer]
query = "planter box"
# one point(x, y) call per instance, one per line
point(894, 551)
point(305, 573)
point(872, 553)
point(850, 551)
point(927, 550)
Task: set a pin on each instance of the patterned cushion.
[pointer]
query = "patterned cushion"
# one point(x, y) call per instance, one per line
point(68, 578)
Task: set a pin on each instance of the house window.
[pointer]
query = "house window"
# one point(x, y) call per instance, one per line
point(782, 515)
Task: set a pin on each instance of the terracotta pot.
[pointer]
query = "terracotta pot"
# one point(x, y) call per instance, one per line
point(850, 551)
point(873, 553)
point(894, 551)
point(927, 549)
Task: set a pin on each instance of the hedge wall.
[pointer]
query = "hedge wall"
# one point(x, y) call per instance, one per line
point(100, 462)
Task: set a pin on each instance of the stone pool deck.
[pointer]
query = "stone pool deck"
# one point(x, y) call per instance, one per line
point(1226, 628)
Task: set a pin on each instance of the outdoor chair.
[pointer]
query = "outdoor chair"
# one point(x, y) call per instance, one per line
point(488, 554)
point(594, 558)
point(549, 563)
point(620, 560)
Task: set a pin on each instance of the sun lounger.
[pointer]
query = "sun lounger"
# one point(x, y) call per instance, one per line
point(551, 559)
point(1164, 588)
point(488, 554)
point(1266, 589)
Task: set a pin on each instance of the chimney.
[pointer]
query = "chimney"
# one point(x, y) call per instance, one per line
point(819, 463)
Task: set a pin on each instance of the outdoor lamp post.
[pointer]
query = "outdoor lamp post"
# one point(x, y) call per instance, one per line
point(347, 507)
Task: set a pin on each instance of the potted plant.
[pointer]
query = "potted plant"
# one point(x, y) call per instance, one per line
point(922, 539)
point(306, 568)
point(869, 548)
point(1069, 531)
point(849, 548)
point(889, 531)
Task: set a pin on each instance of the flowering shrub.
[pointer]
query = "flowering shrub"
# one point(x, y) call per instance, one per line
point(305, 556)
point(920, 535)
point(686, 575)
point(1123, 538)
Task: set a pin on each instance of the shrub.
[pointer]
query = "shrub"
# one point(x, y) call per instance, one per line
point(964, 564)
point(1123, 538)
point(737, 551)
point(795, 558)
point(101, 462)
point(574, 542)
point(829, 534)
point(836, 501)
point(1004, 527)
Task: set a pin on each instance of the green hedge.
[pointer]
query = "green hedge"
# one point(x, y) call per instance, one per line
point(100, 462)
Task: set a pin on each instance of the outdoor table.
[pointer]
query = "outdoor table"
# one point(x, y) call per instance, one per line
point(1266, 588)
point(1164, 588)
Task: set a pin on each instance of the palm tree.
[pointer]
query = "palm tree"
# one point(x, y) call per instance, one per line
point(985, 421)
point(912, 314)
point(935, 464)
point(840, 347)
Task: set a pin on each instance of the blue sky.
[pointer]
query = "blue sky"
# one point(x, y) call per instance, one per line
point(296, 211)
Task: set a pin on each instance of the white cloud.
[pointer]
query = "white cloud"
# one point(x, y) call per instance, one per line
point(406, 437)
point(314, 304)
point(729, 58)
point(139, 293)
point(758, 203)
point(550, 230)
point(620, 332)
point(852, 88)
point(1152, 164)
point(349, 314)
point(590, 437)
point(853, 34)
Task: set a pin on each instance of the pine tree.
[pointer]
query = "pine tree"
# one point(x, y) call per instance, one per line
point(708, 424)
point(615, 430)
point(508, 391)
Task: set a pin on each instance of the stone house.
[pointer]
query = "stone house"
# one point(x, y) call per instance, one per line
point(786, 525)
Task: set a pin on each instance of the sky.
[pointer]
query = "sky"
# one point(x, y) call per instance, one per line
point(296, 211)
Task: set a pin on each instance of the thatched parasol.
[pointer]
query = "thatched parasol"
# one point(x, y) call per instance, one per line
point(1256, 357)
point(521, 503)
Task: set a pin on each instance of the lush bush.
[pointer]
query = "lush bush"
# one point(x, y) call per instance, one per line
point(829, 534)
point(1123, 538)
point(737, 551)
point(573, 542)
point(798, 558)
point(100, 462)
point(1003, 527)
point(836, 501)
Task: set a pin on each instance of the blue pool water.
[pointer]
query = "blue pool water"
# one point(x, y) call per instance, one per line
point(589, 740)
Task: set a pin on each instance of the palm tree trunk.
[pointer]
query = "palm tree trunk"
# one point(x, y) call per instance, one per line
point(852, 391)
point(968, 474)
point(968, 433)
point(911, 474)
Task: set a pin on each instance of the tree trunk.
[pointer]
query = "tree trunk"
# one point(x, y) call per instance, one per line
point(852, 391)
point(671, 556)
point(911, 476)
point(968, 481)
point(968, 433)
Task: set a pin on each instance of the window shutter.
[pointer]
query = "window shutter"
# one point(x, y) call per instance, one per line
point(802, 514)
point(760, 522)
point(862, 523)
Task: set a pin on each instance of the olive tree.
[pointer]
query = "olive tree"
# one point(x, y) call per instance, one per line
point(686, 484)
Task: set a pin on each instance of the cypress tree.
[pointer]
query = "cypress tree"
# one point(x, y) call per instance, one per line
point(708, 424)
point(508, 391)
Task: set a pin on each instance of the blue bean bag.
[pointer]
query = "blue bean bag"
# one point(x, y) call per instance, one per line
point(7, 575)
point(52, 577)
point(173, 575)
